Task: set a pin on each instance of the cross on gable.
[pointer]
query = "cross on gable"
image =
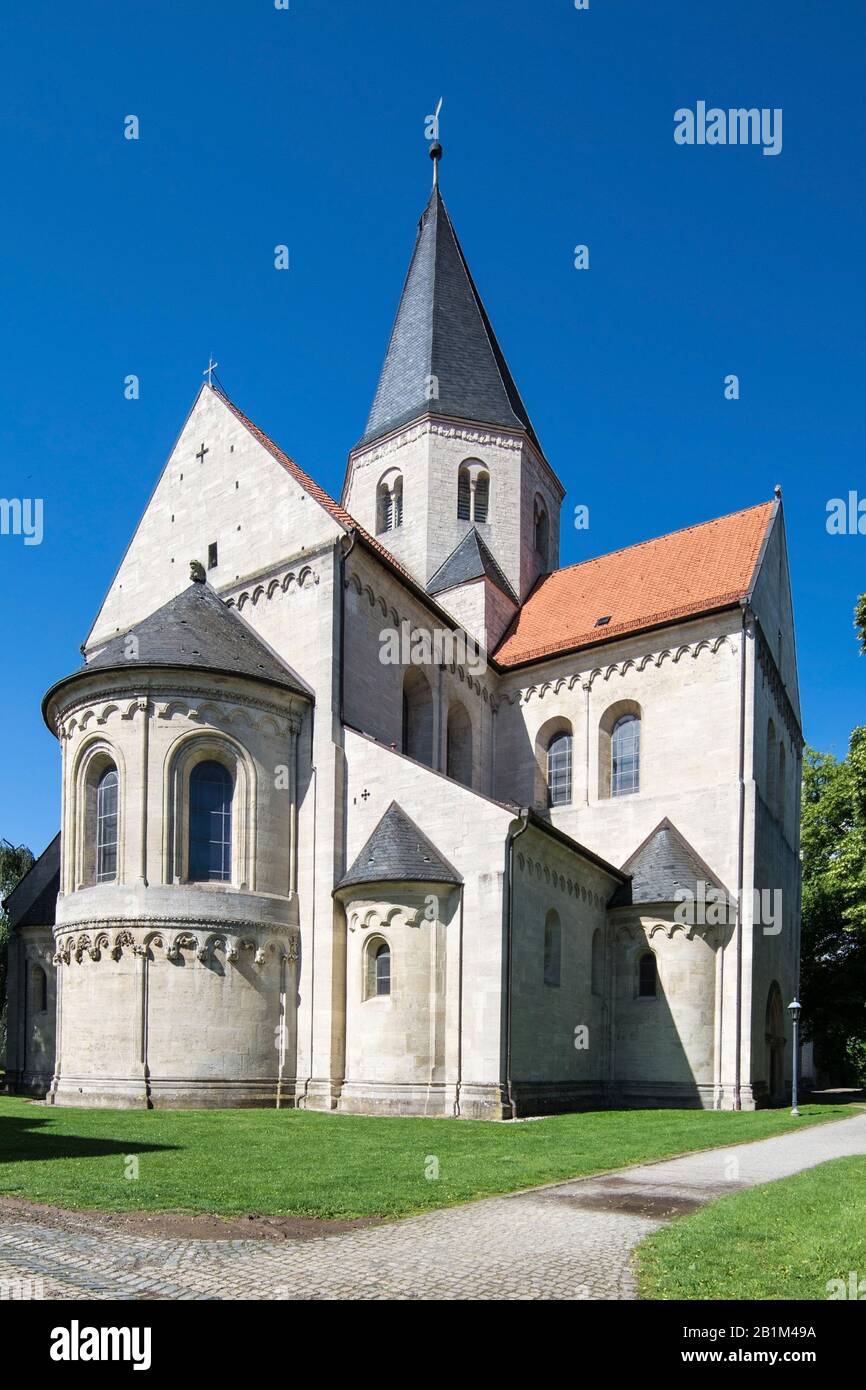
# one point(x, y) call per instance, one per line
point(364, 794)
point(201, 453)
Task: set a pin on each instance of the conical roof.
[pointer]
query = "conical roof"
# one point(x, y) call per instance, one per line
point(442, 332)
point(195, 630)
point(397, 851)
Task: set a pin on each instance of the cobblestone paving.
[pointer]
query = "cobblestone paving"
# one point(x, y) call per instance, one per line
point(572, 1240)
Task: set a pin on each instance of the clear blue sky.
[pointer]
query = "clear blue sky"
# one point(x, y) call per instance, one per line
point(305, 127)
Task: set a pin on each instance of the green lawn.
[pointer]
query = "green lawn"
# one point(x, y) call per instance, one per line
point(300, 1163)
point(783, 1240)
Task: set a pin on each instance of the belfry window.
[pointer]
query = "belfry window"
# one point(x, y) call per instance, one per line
point(473, 493)
point(389, 503)
point(106, 826)
point(210, 823)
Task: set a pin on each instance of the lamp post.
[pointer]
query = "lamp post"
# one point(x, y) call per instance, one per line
point(794, 1009)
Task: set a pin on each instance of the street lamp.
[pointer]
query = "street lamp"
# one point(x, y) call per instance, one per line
point(794, 1009)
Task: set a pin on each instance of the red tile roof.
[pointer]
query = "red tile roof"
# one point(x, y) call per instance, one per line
point(688, 572)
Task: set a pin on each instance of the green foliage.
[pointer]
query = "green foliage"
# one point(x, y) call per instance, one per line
point(15, 860)
point(833, 970)
point(783, 1240)
point(860, 621)
point(300, 1163)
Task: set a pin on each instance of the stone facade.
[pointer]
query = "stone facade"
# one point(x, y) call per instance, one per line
point(536, 978)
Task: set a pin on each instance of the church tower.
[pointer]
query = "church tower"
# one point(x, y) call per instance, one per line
point(449, 473)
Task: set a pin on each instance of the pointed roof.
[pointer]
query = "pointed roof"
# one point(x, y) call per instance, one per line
point(397, 851)
point(700, 569)
point(471, 559)
point(662, 864)
point(197, 631)
point(442, 331)
point(33, 900)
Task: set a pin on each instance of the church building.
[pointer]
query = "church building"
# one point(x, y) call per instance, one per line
point(369, 806)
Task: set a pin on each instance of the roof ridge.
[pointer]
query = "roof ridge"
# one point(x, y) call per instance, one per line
point(650, 540)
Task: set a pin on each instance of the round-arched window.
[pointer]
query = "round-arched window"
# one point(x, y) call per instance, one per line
point(210, 823)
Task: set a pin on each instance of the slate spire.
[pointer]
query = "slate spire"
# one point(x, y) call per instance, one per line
point(442, 341)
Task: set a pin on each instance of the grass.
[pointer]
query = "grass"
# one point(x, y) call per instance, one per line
point(300, 1163)
point(783, 1240)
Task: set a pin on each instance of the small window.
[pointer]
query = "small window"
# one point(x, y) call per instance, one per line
point(212, 561)
point(552, 949)
point(542, 532)
point(559, 770)
point(383, 969)
point(389, 504)
point(210, 823)
point(106, 826)
point(625, 756)
point(464, 496)
point(647, 987)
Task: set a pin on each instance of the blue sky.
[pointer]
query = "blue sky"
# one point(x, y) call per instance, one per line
point(305, 127)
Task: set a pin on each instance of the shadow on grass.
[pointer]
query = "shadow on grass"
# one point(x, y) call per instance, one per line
point(24, 1140)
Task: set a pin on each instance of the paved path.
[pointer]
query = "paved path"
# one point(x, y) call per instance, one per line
point(572, 1240)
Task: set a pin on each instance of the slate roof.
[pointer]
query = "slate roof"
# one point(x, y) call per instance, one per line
point(397, 851)
point(33, 901)
point(471, 559)
point(662, 864)
point(196, 631)
point(697, 570)
point(442, 330)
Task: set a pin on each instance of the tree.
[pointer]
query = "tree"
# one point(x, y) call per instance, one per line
point(860, 621)
point(15, 860)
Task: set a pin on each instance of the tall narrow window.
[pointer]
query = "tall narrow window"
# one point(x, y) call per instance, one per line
point(647, 985)
point(464, 496)
point(780, 789)
point(389, 502)
point(397, 502)
point(210, 823)
point(106, 826)
point(383, 969)
point(482, 497)
point(552, 948)
point(625, 756)
point(559, 770)
point(542, 532)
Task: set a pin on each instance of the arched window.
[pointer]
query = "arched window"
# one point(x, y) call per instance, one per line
point(106, 826)
point(210, 823)
point(473, 491)
point(597, 972)
point(382, 969)
point(458, 759)
point(417, 739)
point(464, 496)
point(552, 948)
point(389, 503)
point(625, 756)
point(542, 532)
point(38, 990)
point(647, 982)
point(559, 770)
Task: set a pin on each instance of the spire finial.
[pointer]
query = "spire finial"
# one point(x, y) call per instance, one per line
point(431, 132)
point(209, 369)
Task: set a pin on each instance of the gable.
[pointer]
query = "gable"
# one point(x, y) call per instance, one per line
point(238, 494)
